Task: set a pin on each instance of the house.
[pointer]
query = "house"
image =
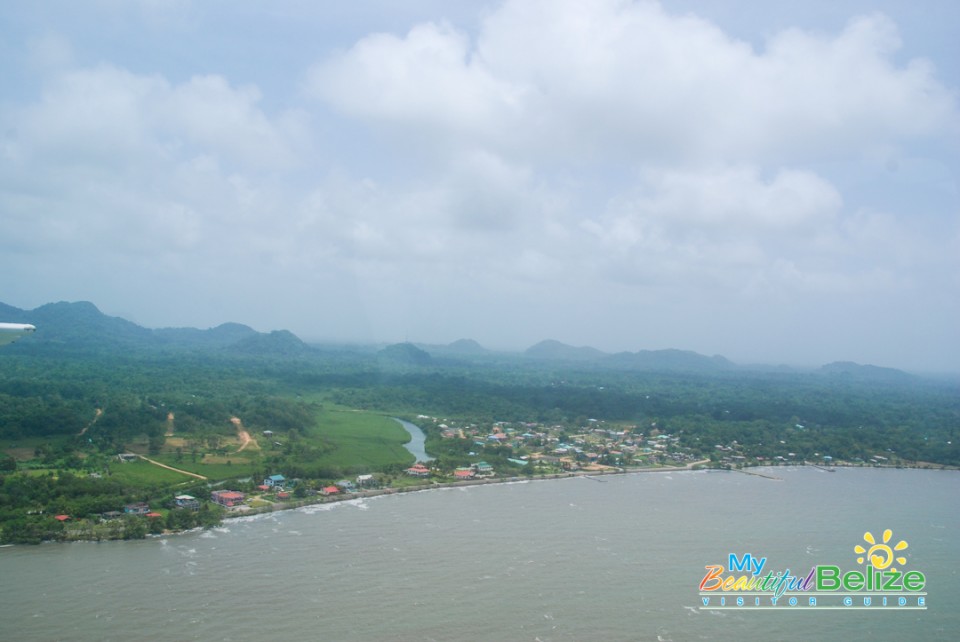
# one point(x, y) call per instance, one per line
point(126, 457)
point(418, 470)
point(329, 490)
point(483, 469)
point(61, 518)
point(366, 481)
point(346, 486)
point(139, 508)
point(275, 481)
point(228, 498)
point(188, 502)
point(464, 473)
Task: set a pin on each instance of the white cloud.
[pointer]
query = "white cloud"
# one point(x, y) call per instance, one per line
point(737, 199)
point(110, 116)
point(548, 78)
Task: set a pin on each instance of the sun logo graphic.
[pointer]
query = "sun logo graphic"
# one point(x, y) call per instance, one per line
point(880, 555)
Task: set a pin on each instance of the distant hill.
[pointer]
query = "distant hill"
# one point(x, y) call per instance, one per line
point(459, 348)
point(854, 371)
point(82, 327)
point(551, 349)
point(79, 326)
point(404, 354)
point(669, 360)
point(466, 346)
point(659, 360)
point(223, 335)
point(276, 343)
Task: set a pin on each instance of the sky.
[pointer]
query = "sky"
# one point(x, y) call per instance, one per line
point(774, 182)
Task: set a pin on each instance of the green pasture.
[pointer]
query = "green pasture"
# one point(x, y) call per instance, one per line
point(238, 467)
point(142, 473)
point(359, 439)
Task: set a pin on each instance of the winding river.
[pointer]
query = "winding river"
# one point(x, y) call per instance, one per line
point(417, 439)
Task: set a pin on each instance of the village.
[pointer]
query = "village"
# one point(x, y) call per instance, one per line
point(518, 449)
point(462, 453)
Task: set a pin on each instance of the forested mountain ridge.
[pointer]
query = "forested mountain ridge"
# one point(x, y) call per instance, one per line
point(82, 327)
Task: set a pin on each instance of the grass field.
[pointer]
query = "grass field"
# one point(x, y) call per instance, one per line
point(239, 466)
point(142, 473)
point(348, 439)
point(360, 439)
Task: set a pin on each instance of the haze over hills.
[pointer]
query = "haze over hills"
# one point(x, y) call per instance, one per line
point(551, 349)
point(82, 327)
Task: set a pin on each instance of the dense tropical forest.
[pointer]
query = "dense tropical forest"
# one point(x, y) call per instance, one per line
point(98, 414)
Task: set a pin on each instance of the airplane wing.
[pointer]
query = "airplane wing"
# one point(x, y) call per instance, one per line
point(10, 332)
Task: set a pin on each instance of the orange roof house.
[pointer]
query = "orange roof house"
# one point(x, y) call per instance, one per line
point(418, 470)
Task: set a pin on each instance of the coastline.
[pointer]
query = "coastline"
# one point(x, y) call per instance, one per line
point(378, 492)
point(247, 511)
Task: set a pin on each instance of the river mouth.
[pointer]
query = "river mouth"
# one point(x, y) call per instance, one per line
point(416, 445)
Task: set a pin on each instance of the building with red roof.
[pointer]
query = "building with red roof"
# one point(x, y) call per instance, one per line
point(228, 498)
point(418, 470)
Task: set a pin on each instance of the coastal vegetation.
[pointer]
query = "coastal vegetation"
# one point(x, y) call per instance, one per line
point(97, 415)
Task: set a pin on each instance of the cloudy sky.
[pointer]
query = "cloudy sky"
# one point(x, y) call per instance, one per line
point(772, 181)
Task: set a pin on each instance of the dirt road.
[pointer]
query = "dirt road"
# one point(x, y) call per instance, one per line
point(243, 435)
point(176, 470)
point(87, 427)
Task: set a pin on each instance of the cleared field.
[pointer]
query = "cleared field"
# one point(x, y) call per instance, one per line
point(142, 473)
point(360, 439)
point(216, 469)
point(340, 438)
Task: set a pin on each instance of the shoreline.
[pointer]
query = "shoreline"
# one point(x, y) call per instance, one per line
point(589, 474)
point(378, 492)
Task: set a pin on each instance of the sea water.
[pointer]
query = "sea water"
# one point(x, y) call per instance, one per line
point(603, 558)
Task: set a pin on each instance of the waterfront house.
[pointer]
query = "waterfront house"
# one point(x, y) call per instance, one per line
point(464, 473)
point(275, 481)
point(346, 486)
point(188, 502)
point(228, 498)
point(483, 469)
point(366, 481)
point(418, 470)
point(139, 508)
point(329, 490)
